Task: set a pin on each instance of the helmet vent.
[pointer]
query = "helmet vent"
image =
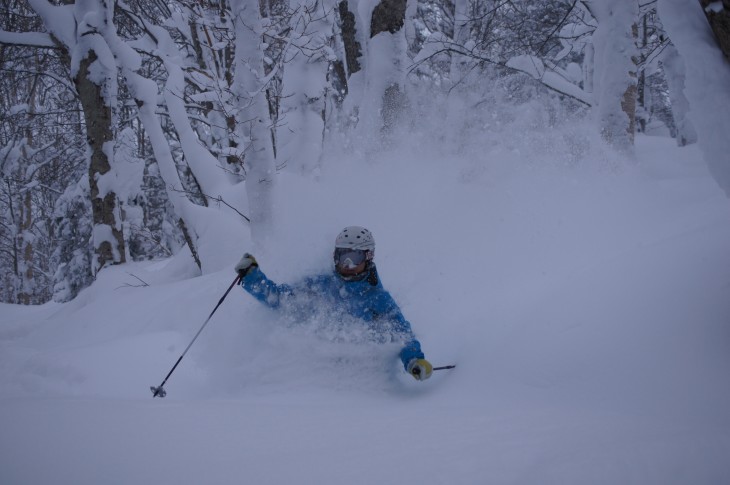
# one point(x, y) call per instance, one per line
point(361, 238)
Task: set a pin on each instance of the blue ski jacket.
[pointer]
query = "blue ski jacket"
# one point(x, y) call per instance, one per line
point(365, 300)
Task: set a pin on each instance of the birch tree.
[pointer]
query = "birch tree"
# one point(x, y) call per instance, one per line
point(306, 63)
point(145, 93)
point(718, 15)
point(676, 73)
point(78, 29)
point(615, 71)
point(707, 82)
point(207, 27)
point(254, 123)
point(386, 62)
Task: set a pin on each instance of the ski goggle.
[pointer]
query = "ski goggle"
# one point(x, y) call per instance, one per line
point(349, 258)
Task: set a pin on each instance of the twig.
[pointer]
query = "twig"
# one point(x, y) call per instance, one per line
point(218, 199)
point(127, 285)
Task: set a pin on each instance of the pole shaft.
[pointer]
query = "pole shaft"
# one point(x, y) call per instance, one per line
point(238, 278)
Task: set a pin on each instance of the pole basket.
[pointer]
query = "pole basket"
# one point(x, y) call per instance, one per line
point(158, 391)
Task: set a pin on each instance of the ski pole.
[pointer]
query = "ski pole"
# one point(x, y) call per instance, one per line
point(159, 390)
point(444, 367)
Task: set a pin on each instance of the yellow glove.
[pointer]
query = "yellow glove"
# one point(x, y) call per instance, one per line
point(420, 369)
point(244, 266)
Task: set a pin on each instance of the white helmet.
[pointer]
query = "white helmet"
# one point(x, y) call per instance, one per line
point(356, 237)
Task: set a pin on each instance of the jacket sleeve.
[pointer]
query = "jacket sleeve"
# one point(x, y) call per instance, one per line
point(400, 326)
point(411, 350)
point(263, 289)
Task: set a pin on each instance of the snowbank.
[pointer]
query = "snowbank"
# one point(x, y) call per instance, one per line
point(585, 306)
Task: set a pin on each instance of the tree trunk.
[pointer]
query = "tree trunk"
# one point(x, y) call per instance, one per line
point(25, 294)
point(461, 37)
point(378, 92)
point(253, 120)
point(719, 19)
point(388, 16)
point(98, 118)
point(675, 72)
point(706, 82)
point(304, 88)
point(353, 49)
point(615, 79)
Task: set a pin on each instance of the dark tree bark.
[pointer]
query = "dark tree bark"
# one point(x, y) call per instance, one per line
point(720, 24)
point(388, 16)
point(353, 50)
point(98, 118)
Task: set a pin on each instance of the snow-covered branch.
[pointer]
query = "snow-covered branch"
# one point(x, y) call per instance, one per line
point(28, 39)
point(526, 64)
point(535, 68)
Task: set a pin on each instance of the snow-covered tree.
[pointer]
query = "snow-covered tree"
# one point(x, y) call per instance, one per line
point(41, 152)
point(254, 122)
point(676, 73)
point(615, 71)
point(718, 15)
point(165, 108)
point(72, 256)
point(79, 29)
point(305, 86)
point(707, 82)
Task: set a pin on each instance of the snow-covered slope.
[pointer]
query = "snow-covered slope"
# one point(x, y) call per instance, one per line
point(587, 308)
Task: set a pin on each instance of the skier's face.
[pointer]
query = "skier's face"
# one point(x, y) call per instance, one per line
point(352, 271)
point(350, 262)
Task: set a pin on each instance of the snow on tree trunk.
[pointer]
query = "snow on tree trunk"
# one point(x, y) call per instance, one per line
point(615, 71)
point(377, 92)
point(79, 29)
point(675, 71)
point(707, 82)
point(253, 119)
point(209, 176)
point(304, 87)
point(589, 69)
point(25, 268)
point(718, 15)
point(350, 38)
point(202, 227)
point(107, 237)
point(212, 42)
point(144, 92)
point(94, 71)
point(25, 272)
point(459, 63)
point(73, 260)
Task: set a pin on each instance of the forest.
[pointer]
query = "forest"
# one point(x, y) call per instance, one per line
point(543, 184)
point(132, 130)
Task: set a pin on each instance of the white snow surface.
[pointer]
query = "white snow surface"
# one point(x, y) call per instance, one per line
point(587, 308)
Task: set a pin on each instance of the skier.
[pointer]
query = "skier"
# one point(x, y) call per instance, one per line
point(354, 286)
